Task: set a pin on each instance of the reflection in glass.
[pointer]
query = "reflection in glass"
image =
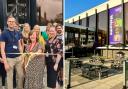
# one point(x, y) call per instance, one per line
point(102, 28)
point(76, 22)
point(84, 22)
point(91, 29)
point(17, 8)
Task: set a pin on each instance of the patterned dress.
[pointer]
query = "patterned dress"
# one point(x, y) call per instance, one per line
point(35, 70)
point(54, 47)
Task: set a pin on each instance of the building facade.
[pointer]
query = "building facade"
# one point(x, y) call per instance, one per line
point(22, 10)
point(105, 24)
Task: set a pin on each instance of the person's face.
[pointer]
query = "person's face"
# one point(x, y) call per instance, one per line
point(52, 32)
point(26, 28)
point(37, 29)
point(16, 27)
point(59, 29)
point(33, 37)
point(11, 22)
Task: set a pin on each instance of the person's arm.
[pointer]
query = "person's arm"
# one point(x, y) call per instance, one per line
point(22, 43)
point(20, 46)
point(59, 54)
point(3, 51)
point(57, 62)
point(3, 54)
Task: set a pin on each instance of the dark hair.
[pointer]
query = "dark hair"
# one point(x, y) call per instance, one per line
point(58, 25)
point(17, 23)
point(37, 36)
point(52, 26)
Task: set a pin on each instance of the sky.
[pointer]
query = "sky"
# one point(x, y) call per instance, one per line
point(74, 7)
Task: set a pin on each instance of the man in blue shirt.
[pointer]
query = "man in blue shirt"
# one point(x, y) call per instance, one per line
point(10, 50)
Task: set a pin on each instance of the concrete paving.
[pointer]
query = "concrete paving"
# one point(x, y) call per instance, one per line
point(113, 82)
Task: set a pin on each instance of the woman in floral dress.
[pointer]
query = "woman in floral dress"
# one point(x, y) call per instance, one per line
point(35, 65)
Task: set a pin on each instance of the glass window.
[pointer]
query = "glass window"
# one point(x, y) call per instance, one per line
point(84, 22)
point(91, 29)
point(91, 36)
point(116, 25)
point(102, 28)
point(83, 37)
point(70, 37)
point(92, 21)
point(76, 22)
point(18, 9)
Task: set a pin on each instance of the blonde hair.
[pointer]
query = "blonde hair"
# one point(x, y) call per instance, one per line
point(24, 33)
point(48, 26)
point(40, 38)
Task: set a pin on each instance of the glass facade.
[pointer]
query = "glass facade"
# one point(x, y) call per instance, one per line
point(112, 36)
point(76, 22)
point(84, 22)
point(102, 28)
point(91, 29)
point(70, 37)
point(91, 36)
point(92, 22)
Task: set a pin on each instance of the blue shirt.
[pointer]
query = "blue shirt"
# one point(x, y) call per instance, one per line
point(11, 39)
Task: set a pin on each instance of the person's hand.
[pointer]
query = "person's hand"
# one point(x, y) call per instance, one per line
point(22, 59)
point(55, 67)
point(6, 65)
point(1, 60)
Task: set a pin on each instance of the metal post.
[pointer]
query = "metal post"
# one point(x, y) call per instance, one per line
point(123, 17)
point(69, 79)
point(124, 74)
point(96, 31)
point(86, 34)
point(107, 28)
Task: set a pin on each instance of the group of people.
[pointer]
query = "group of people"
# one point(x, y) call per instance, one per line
point(29, 52)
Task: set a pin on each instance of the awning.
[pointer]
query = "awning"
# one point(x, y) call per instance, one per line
point(79, 26)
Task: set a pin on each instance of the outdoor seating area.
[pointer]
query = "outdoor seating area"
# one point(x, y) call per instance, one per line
point(94, 70)
point(96, 67)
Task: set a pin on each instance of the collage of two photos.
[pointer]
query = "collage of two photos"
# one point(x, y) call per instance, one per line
point(63, 44)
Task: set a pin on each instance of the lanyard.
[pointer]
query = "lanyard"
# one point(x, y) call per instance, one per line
point(31, 46)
